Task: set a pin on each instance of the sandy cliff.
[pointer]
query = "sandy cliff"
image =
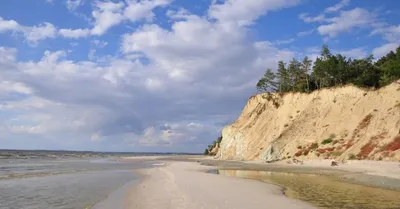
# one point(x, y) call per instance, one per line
point(338, 123)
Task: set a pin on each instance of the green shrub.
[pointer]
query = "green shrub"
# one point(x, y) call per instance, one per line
point(305, 153)
point(314, 146)
point(352, 156)
point(219, 139)
point(329, 140)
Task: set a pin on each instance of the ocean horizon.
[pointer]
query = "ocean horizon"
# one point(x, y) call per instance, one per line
point(59, 179)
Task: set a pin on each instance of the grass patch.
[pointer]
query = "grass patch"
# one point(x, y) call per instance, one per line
point(305, 153)
point(352, 156)
point(314, 146)
point(328, 140)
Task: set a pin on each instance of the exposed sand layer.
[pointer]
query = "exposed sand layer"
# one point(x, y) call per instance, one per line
point(181, 185)
point(334, 123)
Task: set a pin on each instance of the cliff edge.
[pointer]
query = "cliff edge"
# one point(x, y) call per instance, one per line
point(335, 123)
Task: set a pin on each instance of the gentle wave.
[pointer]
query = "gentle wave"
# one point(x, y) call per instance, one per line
point(40, 174)
point(159, 164)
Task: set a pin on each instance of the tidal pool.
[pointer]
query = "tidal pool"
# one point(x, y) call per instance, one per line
point(324, 191)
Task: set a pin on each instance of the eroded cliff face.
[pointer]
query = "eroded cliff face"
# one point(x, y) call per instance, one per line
point(338, 123)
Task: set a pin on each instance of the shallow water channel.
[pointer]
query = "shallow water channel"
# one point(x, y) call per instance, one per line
point(323, 191)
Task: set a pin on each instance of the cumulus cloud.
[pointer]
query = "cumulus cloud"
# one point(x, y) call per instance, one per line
point(73, 4)
point(108, 14)
point(74, 33)
point(389, 33)
point(138, 10)
point(8, 25)
point(36, 33)
point(354, 53)
point(338, 6)
point(178, 86)
point(346, 21)
point(32, 34)
point(381, 51)
point(244, 12)
point(308, 19)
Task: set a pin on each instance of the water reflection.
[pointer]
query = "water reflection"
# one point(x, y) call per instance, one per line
point(324, 192)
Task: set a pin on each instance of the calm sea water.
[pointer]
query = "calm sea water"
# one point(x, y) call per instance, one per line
point(324, 192)
point(63, 180)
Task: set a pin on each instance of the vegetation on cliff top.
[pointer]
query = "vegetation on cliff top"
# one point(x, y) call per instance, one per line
point(212, 146)
point(331, 70)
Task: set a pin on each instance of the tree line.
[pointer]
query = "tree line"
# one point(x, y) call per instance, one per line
point(212, 145)
point(331, 70)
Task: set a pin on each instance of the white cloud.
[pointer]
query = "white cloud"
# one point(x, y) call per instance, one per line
point(197, 72)
point(74, 33)
point(390, 33)
point(106, 14)
point(7, 86)
point(99, 43)
point(354, 53)
point(32, 34)
point(286, 41)
point(308, 19)
point(338, 6)
point(381, 51)
point(305, 33)
point(244, 12)
point(179, 14)
point(346, 21)
point(8, 25)
point(36, 33)
point(7, 55)
point(138, 10)
point(73, 4)
point(18, 129)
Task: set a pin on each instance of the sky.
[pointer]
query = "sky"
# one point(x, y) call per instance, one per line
point(160, 75)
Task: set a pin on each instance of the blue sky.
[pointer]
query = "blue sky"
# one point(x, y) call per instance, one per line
point(160, 75)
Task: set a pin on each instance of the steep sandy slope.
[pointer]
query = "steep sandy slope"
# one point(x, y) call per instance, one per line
point(352, 123)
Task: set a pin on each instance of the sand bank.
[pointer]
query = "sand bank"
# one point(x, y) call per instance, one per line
point(179, 185)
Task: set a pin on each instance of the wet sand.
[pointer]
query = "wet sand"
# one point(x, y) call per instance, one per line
point(378, 174)
point(185, 183)
point(179, 185)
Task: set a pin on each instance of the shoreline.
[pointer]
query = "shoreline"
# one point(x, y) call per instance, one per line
point(173, 186)
point(159, 182)
point(365, 173)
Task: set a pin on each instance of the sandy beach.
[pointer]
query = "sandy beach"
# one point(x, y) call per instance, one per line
point(185, 185)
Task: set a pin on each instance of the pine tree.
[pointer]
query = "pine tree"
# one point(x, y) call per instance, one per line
point(294, 71)
point(306, 65)
point(267, 83)
point(283, 77)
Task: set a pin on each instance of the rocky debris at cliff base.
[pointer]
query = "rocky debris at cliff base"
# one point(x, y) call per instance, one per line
point(295, 161)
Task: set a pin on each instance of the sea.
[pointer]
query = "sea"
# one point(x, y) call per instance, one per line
point(66, 179)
